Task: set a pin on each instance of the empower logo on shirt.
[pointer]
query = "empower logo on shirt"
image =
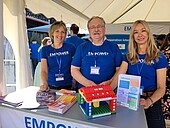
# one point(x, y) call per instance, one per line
point(59, 53)
point(97, 54)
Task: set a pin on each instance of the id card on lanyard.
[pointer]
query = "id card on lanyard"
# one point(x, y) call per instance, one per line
point(95, 69)
point(59, 76)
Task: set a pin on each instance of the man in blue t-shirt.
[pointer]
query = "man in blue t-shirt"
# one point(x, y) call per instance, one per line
point(34, 54)
point(96, 61)
point(74, 39)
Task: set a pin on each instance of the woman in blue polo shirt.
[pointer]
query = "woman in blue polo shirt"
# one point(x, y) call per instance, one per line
point(56, 60)
point(145, 60)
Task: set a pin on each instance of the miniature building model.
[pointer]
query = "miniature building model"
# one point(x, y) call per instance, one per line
point(96, 101)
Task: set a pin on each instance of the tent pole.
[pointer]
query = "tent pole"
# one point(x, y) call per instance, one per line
point(2, 70)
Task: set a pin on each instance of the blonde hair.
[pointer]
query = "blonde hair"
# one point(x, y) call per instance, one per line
point(45, 40)
point(56, 25)
point(152, 52)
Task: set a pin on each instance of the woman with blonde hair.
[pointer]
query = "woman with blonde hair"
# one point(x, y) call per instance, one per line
point(56, 60)
point(145, 60)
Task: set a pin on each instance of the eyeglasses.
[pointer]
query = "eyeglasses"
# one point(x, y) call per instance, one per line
point(96, 27)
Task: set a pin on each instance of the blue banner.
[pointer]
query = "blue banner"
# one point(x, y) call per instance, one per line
point(122, 40)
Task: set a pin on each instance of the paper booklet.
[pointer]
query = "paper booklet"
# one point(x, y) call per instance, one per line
point(128, 92)
point(62, 104)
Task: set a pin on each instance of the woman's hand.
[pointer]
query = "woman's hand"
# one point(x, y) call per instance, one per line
point(44, 88)
point(146, 103)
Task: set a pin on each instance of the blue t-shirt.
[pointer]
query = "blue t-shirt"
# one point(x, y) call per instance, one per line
point(34, 50)
point(106, 57)
point(74, 40)
point(147, 72)
point(59, 59)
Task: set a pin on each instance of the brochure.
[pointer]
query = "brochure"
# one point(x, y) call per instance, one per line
point(44, 98)
point(128, 92)
point(62, 104)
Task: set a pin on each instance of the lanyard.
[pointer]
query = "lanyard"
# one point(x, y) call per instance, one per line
point(140, 69)
point(59, 63)
point(95, 62)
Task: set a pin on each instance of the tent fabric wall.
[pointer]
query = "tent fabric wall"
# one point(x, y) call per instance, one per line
point(15, 31)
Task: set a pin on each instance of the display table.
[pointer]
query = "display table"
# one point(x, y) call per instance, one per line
point(11, 117)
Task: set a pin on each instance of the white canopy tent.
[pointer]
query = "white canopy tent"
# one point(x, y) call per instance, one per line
point(153, 11)
point(113, 11)
point(70, 11)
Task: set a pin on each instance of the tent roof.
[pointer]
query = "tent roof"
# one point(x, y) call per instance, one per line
point(153, 11)
point(113, 11)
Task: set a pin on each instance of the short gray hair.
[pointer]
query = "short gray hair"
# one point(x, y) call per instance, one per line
point(95, 17)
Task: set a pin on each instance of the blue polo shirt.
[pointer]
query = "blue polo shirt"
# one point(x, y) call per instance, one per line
point(74, 40)
point(147, 72)
point(34, 50)
point(106, 57)
point(59, 59)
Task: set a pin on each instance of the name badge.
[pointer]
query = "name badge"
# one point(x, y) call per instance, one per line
point(94, 70)
point(59, 77)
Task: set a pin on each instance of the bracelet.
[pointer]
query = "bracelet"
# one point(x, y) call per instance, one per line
point(151, 101)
